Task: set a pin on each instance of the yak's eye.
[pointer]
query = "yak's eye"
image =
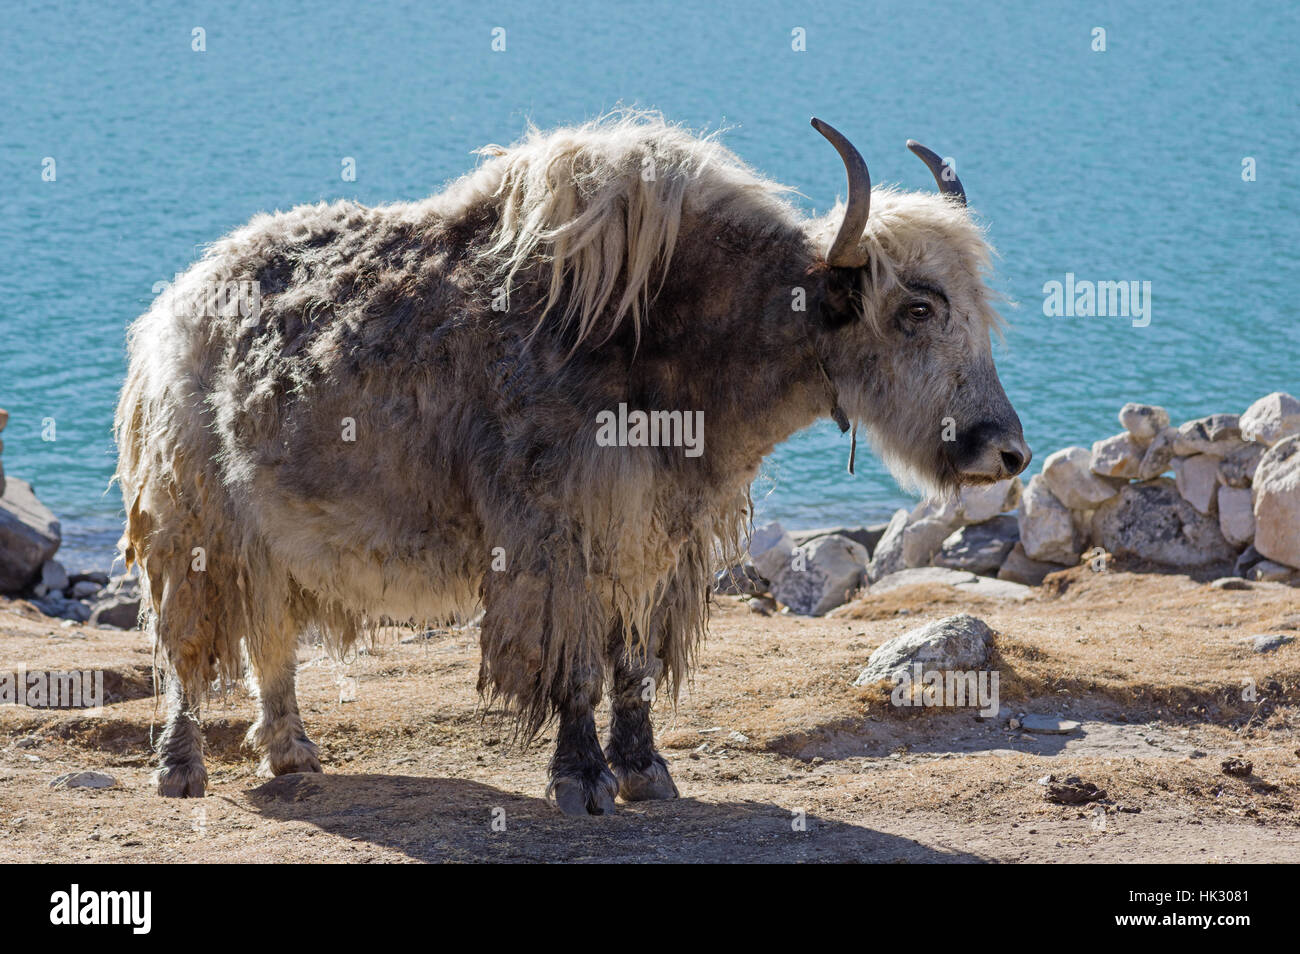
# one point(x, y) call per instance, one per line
point(919, 310)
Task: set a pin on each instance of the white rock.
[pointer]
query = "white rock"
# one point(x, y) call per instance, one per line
point(770, 548)
point(822, 575)
point(84, 780)
point(1143, 421)
point(1068, 474)
point(943, 509)
point(1046, 531)
point(921, 575)
point(1159, 455)
point(1197, 479)
point(54, 576)
point(1118, 456)
point(958, 643)
point(1238, 468)
point(888, 555)
point(1271, 418)
point(980, 502)
point(1018, 568)
point(1217, 435)
point(1276, 493)
point(1236, 515)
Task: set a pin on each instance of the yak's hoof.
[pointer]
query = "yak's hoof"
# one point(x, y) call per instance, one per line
point(302, 756)
point(575, 795)
point(185, 780)
point(650, 784)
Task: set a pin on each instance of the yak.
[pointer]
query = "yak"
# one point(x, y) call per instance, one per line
point(401, 422)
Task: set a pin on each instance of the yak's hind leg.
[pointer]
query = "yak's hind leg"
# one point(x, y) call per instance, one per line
point(641, 771)
point(278, 733)
point(581, 782)
point(180, 747)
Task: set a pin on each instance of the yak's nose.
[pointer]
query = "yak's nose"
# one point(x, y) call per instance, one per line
point(1016, 456)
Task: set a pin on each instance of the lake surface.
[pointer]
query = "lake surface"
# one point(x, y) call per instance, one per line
point(1123, 165)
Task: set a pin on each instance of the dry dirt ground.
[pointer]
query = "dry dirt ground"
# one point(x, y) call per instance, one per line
point(777, 756)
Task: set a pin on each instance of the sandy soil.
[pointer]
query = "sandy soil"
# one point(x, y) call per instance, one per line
point(771, 733)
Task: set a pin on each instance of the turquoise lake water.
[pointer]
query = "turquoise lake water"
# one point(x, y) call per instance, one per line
point(1122, 164)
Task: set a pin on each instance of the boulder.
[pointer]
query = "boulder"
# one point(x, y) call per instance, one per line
point(1276, 491)
point(921, 575)
point(1018, 568)
point(1197, 479)
point(867, 536)
point(1267, 571)
point(1159, 455)
point(1151, 521)
point(1118, 456)
point(1238, 468)
point(1271, 418)
point(117, 610)
point(958, 643)
point(54, 576)
point(980, 502)
point(29, 535)
point(922, 539)
point(1247, 559)
point(1143, 421)
point(980, 547)
point(770, 548)
point(887, 558)
point(1046, 531)
point(1217, 435)
point(1068, 474)
point(822, 575)
point(739, 580)
point(1236, 515)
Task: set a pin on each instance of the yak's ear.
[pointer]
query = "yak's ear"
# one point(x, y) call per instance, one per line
point(840, 304)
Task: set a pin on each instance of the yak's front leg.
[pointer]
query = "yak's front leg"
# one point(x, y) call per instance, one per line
point(581, 783)
point(180, 748)
point(641, 771)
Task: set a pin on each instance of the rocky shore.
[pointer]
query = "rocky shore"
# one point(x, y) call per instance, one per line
point(1217, 496)
point(30, 536)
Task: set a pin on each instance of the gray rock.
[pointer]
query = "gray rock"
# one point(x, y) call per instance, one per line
point(867, 536)
point(921, 575)
point(1159, 455)
point(991, 589)
point(1048, 725)
point(1151, 521)
point(959, 643)
point(921, 541)
point(822, 576)
point(1271, 418)
point(1236, 516)
point(1197, 479)
point(84, 780)
point(1018, 568)
point(770, 548)
point(89, 576)
point(888, 555)
point(1238, 468)
point(1070, 478)
point(1143, 421)
point(84, 589)
point(1276, 492)
point(1047, 531)
point(980, 547)
point(1118, 456)
point(29, 535)
point(54, 576)
point(1217, 435)
point(1266, 571)
point(117, 610)
point(739, 580)
point(1247, 559)
point(1268, 642)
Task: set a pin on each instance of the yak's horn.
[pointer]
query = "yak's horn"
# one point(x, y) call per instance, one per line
point(844, 250)
point(944, 174)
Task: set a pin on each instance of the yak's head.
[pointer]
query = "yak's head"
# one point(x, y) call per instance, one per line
point(904, 330)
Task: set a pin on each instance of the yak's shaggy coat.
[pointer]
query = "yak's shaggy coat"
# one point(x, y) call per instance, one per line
point(405, 428)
